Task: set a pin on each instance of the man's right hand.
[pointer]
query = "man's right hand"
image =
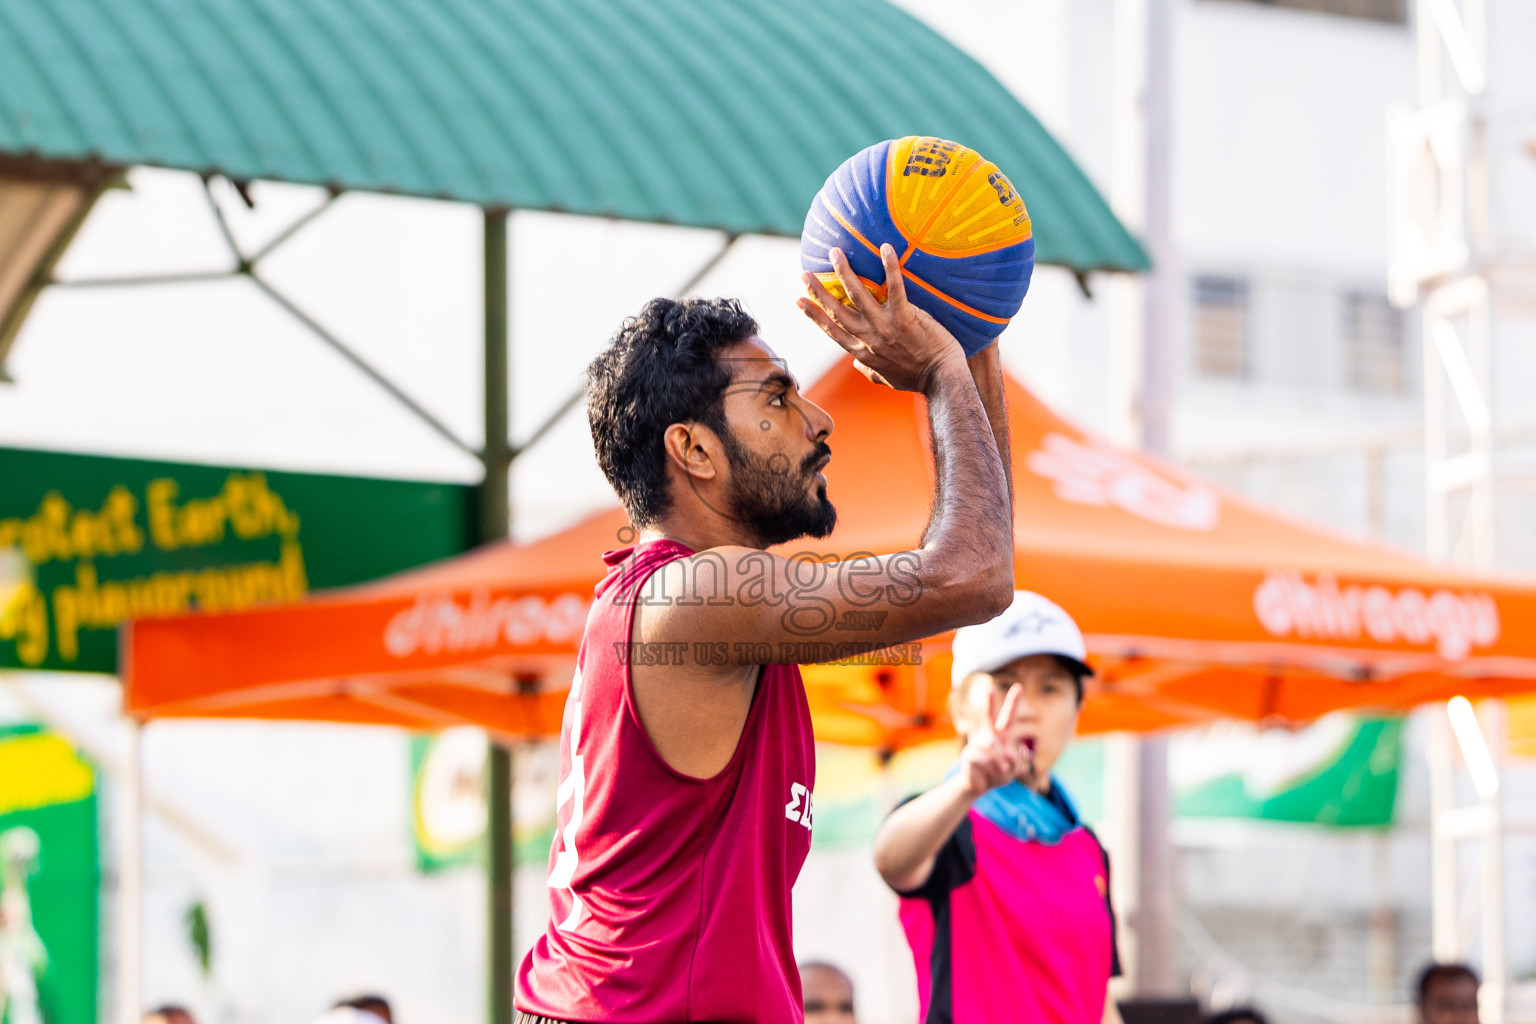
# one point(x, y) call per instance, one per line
point(893, 343)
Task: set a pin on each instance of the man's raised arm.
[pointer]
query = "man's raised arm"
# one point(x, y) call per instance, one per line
point(963, 571)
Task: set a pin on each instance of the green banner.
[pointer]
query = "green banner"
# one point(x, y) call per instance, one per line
point(448, 813)
point(99, 540)
point(1340, 771)
point(49, 880)
point(448, 799)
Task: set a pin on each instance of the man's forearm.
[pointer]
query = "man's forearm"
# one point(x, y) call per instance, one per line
point(987, 372)
point(969, 540)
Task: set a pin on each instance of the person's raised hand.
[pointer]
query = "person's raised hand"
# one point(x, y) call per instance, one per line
point(894, 343)
point(991, 757)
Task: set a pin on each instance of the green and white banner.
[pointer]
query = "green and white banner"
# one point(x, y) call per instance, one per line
point(1340, 771)
point(88, 541)
point(448, 811)
point(448, 805)
point(49, 880)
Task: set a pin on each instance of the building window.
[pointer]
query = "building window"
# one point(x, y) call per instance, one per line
point(1221, 327)
point(1374, 349)
point(1392, 11)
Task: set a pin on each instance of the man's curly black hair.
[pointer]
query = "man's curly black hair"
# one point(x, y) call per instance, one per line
point(662, 367)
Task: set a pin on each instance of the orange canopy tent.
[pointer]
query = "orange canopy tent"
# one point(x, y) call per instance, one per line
point(1195, 604)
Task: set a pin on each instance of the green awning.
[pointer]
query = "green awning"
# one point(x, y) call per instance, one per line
point(707, 113)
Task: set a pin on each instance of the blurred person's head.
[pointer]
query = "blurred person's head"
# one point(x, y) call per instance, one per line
point(1036, 645)
point(1447, 994)
point(1237, 1015)
point(693, 415)
point(346, 1013)
point(827, 994)
point(372, 1003)
point(170, 1013)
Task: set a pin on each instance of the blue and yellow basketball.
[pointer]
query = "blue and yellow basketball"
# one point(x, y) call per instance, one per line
point(955, 220)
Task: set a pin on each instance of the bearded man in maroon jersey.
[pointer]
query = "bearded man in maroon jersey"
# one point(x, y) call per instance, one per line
point(686, 763)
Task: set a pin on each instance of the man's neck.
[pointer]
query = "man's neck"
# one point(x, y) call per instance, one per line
point(697, 536)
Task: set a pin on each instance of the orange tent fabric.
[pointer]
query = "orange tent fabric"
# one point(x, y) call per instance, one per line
point(1196, 604)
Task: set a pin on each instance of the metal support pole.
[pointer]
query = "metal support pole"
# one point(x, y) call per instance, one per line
point(1162, 282)
point(1456, 912)
point(1122, 826)
point(1157, 903)
point(495, 520)
point(1128, 196)
point(1494, 992)
point(1441, 158)
point(495, 517)
point(130, 886)
point(1443, 880)
point(499, 832)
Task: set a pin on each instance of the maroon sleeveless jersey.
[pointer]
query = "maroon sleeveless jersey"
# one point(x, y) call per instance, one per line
point(669, 895)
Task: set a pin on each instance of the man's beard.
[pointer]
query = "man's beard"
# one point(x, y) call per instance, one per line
point(776, 504)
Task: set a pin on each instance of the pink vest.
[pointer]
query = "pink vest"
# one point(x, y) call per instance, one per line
point(670, 896)
point(1009, 930)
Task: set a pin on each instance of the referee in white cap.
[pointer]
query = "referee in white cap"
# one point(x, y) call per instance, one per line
point(1005, 891)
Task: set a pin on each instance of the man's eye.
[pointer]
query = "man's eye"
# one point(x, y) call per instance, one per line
point(780, 399)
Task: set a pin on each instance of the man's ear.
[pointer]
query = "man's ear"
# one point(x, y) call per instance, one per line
point(693, 448)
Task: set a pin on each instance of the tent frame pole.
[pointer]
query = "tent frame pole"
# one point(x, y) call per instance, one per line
point(494, 507)
point(248, 266)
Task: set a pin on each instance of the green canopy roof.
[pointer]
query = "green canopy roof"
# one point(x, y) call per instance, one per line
point(708, 113)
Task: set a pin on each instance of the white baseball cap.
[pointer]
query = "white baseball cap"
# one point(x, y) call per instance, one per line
point(1031, 625)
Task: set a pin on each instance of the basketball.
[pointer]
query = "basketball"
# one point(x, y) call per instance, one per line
point(953, 217)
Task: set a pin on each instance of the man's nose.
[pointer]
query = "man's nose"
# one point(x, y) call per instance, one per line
point(818, 422)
